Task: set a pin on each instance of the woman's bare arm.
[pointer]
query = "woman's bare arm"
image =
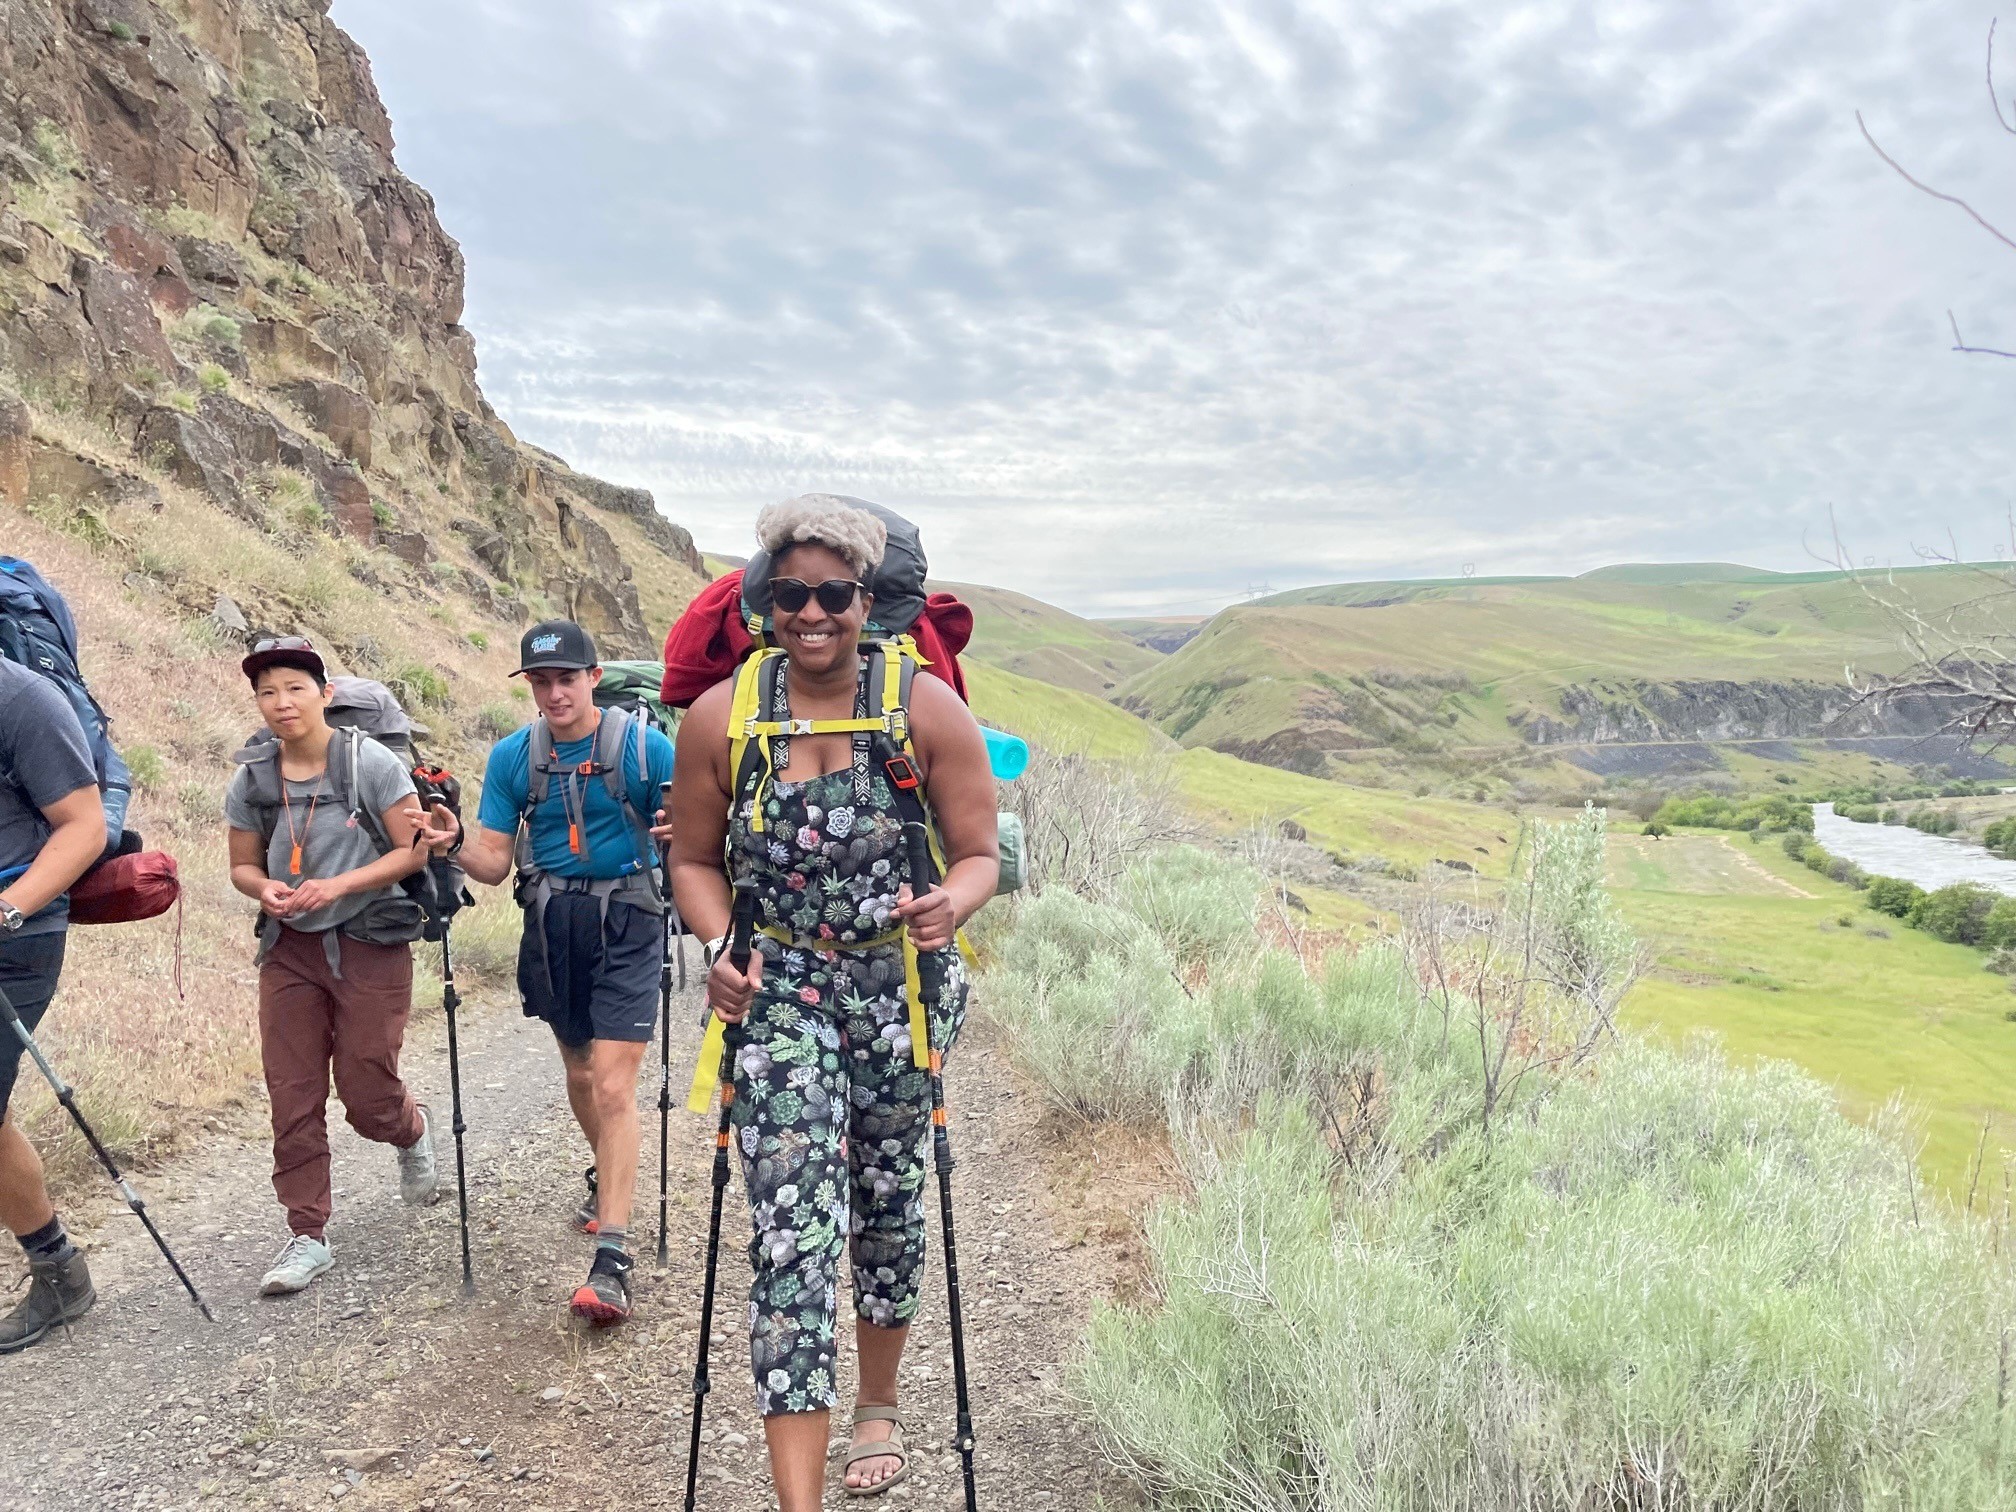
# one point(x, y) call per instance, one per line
point(699, 807)
point(959, 783)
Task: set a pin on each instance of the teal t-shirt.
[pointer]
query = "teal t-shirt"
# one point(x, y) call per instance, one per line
point(610, 847)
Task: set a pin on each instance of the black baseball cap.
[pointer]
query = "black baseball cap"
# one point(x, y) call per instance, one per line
point(285, 651)
point(561, 645)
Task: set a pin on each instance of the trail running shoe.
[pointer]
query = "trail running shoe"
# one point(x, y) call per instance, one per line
point(604, 1298)
point(59, 1292)
point(419, 1173)
point(588, 1217)
point(295, 1266)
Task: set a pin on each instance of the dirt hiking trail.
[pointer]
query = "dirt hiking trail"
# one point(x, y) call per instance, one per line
point(383, 1387)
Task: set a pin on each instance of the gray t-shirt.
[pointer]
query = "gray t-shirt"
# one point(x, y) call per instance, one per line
point(333, 840)
point(44, 758)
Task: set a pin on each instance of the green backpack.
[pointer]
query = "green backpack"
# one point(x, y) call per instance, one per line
point(634, 686)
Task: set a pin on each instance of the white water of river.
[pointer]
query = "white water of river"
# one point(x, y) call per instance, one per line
point(1897, 850)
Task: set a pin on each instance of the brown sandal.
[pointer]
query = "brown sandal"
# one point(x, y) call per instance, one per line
point(889, 1448)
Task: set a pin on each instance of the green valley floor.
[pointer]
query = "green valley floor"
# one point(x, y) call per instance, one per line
point(1776, 961)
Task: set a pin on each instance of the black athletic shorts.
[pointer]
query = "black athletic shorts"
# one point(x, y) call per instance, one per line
point(593, 981)
point(29, 967)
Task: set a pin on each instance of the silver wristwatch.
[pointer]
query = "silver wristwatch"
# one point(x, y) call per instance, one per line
point(11, 918)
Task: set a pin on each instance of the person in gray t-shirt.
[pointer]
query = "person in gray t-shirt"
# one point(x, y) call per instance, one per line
point(337, 849)
point(336, 963)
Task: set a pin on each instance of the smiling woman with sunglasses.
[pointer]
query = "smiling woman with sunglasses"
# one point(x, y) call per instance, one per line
point(831, 1114)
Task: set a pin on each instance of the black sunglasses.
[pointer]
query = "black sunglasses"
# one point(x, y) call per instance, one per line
point(283, 643)
point(836, 595)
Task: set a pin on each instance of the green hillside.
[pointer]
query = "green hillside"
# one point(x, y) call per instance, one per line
point(1232, 794)
point(1438, 669)
point(1061, 719)
point(1675, 572)
point(1034, 639)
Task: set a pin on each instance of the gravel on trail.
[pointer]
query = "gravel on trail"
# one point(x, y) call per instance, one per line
point(382, 1386)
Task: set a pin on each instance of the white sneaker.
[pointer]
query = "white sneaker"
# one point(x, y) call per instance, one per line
point(299, 1263)
point(419, 1175)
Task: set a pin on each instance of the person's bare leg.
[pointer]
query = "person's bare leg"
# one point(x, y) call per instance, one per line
point(879, 1351)
point(581, 1089)
point(24, 1197)
point(613, 1079)
point(798, 1458)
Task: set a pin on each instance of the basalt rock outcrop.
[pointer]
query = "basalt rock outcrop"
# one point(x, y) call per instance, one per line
point(1714, 710)
point(214, 277)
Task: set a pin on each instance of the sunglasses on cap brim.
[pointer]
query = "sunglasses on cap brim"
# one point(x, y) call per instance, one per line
point(835, 595)
point(274, 643)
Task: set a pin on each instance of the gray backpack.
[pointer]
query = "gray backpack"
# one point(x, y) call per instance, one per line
point(360, 709)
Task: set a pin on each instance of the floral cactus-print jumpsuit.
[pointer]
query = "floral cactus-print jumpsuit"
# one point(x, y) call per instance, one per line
point(832, 1117)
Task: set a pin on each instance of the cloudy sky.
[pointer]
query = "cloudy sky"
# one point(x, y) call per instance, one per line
point(1141, 304)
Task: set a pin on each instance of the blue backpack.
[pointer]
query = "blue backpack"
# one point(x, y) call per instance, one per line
point(38, 632)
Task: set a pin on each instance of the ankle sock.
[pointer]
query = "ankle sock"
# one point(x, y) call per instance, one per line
point(613, 1238)
point(49, 1242)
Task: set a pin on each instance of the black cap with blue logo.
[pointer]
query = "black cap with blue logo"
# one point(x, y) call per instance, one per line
point(559, 645)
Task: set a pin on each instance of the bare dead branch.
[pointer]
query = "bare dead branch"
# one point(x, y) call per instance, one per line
point(1925, 188)
point(1960, 344)
point(1993, 100)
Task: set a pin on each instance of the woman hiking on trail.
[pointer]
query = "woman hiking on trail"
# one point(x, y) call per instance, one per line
point(831, 1114)
point(322, 825)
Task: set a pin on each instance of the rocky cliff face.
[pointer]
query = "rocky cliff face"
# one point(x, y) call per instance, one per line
point(1715, 710)
point(214, 278)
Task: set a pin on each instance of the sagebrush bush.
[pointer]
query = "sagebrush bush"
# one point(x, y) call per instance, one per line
point(1679, 1285)
point(1651, 1280)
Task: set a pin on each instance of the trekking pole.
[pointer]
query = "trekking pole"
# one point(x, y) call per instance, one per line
point(740, 942)
point(917, 840)
point(665, 1036)
point(450, 1001)
point(134, 1200)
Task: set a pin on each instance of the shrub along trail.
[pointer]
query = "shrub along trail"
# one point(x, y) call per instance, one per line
point(383, 1387)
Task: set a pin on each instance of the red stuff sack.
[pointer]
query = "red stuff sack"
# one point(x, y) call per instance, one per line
point(126, 889)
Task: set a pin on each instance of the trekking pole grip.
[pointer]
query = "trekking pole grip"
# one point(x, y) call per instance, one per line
point(742, 936)
point(917, 848)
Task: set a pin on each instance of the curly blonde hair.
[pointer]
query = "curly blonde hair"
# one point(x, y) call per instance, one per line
point(826, 520)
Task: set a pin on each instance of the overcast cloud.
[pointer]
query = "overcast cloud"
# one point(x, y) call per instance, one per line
point(1137, 305)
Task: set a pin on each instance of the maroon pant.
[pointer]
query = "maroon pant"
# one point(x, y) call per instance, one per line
point(310, 1022)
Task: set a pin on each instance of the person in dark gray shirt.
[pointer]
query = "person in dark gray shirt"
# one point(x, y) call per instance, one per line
point(52, 828)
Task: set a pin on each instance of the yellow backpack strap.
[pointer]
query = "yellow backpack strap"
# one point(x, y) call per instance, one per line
point(707, 1069)
point(744, 726)
point(913, 988)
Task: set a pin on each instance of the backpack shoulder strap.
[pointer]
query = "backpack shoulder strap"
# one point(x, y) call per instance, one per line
point(346, 755)
point(538, 761)
point(266, 790)
point(749, 749)
point(611, 735)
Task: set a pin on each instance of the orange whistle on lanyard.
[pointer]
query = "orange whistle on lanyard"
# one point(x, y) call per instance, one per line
point(574, 838)
point(294, 861)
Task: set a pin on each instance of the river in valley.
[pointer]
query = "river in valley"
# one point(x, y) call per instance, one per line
point(1897, 850)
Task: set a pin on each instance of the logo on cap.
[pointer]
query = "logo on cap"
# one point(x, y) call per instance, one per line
point(541, 644)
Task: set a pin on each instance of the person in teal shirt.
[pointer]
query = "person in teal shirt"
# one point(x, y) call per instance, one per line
point(574, 803)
